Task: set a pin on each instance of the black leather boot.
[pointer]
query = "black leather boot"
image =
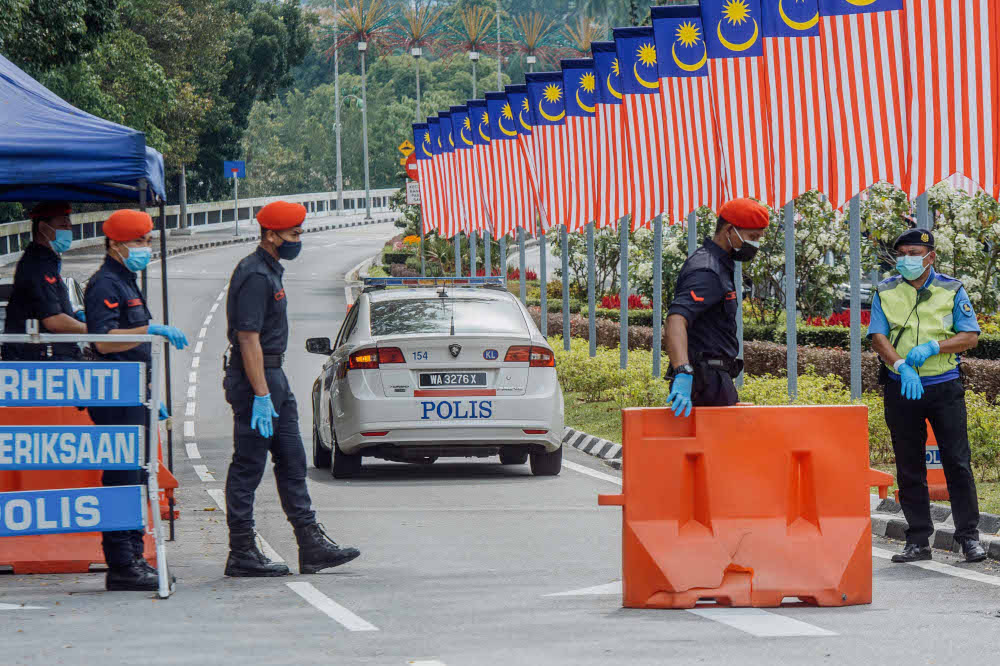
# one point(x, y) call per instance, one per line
point(131, 578)
point(246, 560)
point(973, 550)
point(913, 553)
point(317, 551)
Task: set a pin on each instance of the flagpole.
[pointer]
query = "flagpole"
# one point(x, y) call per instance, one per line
point(520, 237)
point(520, 245)
point(657, 292)
point(472, 252)
point(565, 294)
point(543, 277)
point(692, 232)
point(458, 254)
point(854, 233)
point(591, 300)
point(738, 279)
point(791, 339)
point(623, 225)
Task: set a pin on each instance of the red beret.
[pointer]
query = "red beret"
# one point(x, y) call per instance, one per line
point(127, 225)
point(49, 209)
point(745, 214)
point(280, 215)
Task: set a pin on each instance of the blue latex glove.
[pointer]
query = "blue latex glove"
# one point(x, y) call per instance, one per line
point(164, 415)
point(919, 354)
point(80, 315)
point(263, 415)
point(680, 395)
point(911, 389)
point(173, 334)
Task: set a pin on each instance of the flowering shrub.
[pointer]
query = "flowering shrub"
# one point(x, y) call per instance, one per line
point(635, 302)
point(411, 240)
point(515, 274)
point(840, 319)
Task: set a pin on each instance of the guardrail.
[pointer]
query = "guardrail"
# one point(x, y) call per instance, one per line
point(15, 236)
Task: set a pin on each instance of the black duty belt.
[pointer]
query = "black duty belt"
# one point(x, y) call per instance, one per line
point(732, 366)
point(273, 360)
point(233, 357)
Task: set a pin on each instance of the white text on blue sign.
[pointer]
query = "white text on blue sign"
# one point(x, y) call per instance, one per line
point(70, 447)
point(111, 509)
point(84, 384)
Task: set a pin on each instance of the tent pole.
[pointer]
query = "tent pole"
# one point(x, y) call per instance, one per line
point(142, 206)
point(166, 322)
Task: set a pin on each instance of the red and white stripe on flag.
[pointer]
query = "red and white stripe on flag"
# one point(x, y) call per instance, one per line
point(693, 176)
point(866, 83)
point(485, 181)
point(798, 114)
point(581, 140)
point(478, 220)
point(464, 173)
point(952, 56)
point(741, 116)
point(457, 216)
point(610, 175)
point(514, 196)
point(646, 158)
point(552, 177)
point(429, 202)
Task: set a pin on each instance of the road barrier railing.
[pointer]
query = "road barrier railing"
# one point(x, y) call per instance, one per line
point(746, 506)
point(46, 518)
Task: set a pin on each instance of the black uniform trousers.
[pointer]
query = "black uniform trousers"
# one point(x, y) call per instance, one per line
point(250, 451)
point(122, 548)
point(943, 405)
point(712, 387)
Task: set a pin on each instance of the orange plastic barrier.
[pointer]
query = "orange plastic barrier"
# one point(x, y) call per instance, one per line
point(746, 506)
point(937, 485)
point(60, 553)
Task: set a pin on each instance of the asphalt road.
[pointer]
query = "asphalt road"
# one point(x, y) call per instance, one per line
point(459, 559)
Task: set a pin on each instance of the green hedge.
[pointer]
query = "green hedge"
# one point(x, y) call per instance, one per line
point(555, 304)
point(390, 258)
point(635, 317)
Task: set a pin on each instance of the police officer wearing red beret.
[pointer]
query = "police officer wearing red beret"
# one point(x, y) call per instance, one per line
point(701, 321)
point(265, 413)
point(115, 306)
point(39, 291)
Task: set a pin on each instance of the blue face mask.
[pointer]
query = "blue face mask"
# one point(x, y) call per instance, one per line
point(911, 267)
point(289, 250)
point(138, 258)
point(62, 241)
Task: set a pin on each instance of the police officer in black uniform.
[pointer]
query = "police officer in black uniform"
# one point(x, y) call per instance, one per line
point(265, 414)
point(701, 322)
point(115, 306)
point(39, 291)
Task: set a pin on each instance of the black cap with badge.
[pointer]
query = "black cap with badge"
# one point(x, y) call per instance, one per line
point(915, 237)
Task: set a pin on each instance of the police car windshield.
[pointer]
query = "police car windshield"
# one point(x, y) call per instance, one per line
point(473, 316)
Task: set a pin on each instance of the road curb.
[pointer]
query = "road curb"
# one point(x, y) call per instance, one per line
point(593, 446)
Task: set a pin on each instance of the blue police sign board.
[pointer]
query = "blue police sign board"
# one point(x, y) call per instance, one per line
point(41, 384)
point(231, 166)
point(112, 509)
point(70, 447)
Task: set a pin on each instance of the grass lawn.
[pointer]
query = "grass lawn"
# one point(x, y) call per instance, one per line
point(603, 419)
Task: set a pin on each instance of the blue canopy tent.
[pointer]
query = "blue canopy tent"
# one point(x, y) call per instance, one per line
point(50, 150)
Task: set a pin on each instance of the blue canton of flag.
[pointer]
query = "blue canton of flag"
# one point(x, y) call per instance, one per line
point(677, 31)
point(517, 98)
point(422, 140)
point(501, 117)
point(480, 122)
point(609, 86)
point(732, 28)
point(580, 82)
point(434, 125)
point(637, 59)
point(841, 7)
point(447, 132)
point(790, 19)
point(461, 127)
point(546, 98)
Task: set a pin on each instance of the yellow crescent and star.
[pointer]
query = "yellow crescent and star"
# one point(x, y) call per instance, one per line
point(647, 56)
point(426, 142)
point(688, 35)
point(484, 121)
point(802, 25)
point(466, 125)
point(509, 115)
point(551, 94)
point(520, 115)
point(617, 72)
point(588, 83)
point(736, 12)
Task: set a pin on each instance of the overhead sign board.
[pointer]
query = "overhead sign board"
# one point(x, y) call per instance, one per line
point(234, 169)
point(111, 509)
point(42, 384)
point(71, 447)
point(412, 192)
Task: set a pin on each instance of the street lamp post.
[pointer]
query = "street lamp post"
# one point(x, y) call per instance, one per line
point(416, 52)
point(474, 57)
point(363, 47)
point(336, 113)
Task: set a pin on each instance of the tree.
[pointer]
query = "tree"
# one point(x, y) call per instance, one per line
point(38, 35)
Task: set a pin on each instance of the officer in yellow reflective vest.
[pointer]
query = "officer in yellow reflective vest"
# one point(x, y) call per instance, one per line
point(921, 321)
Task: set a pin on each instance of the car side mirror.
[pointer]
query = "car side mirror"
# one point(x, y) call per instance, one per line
point(319, 346)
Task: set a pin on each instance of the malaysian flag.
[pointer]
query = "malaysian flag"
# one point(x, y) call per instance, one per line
point(580, 84)
point(738, 76)
point(475, 220)
point(514, 197)
point(953, 52)
point(442, 224)
point(547, 103)
point(428, 193)
point(610, 175)
point(517, 100)
point(644, 147)
point(800, 142)
point(864, 46)
point(456, 212)
point(694, 177)
point(483, 158)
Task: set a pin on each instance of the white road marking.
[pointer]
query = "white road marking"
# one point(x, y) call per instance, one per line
point(221, 294)
point(4, 607)
point(946, 569)
point(331, 608)
point(201, 334)
point(219, 495)
point(203, 473)
point(607, 588)
point(215, 306)
point(192, 450)
point(427, 662)
point(195, 362)
point(199, 345)
point(189, 428)
point(592, 472)
point(760, 623)
point(192, 390)
point(189, 409)
point(208, 320)
point(193, 378)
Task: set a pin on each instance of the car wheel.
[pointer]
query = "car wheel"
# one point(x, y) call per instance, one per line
point(345, 466)
point(513, 456)
point(546, 464)
point(321, 454)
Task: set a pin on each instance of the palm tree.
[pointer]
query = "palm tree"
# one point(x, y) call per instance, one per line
point(581, 34)
point(416, 30)
point(472, 33)
point(534, 34)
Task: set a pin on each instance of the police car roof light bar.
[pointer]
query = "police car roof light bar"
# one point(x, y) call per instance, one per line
point(382, 283)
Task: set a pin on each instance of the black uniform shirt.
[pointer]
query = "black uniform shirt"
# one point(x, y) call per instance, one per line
point(706, 297)
point(38, 293)
point(256, 302)
point(113, 300)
